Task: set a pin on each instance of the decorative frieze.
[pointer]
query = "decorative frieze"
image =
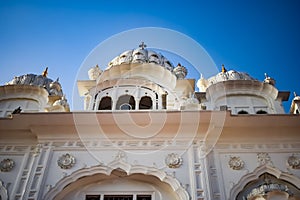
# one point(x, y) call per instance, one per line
point(66, 161)
point(173, 160)
point(6, 165)
point(236, 163)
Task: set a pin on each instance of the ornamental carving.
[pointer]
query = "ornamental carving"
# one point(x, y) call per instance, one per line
point(173, 160)
point(293, 162)
point(6, 165)
point(264, 159)
point(236, 163)
point(66, 161)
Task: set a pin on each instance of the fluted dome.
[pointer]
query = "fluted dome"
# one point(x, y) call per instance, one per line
point(229, 75)
point(141, 55)
point(53, 87)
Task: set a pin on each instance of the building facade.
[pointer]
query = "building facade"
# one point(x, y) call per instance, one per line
point(146, 133)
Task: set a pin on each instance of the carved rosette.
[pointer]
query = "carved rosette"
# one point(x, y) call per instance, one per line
point(173, 160)
point(66, 161)
point(6, 165)
point(236, 163)
point(264, 159)
point(293, 162)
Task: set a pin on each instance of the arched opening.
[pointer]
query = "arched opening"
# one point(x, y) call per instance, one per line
point(125, 102)
point(243, 112)
point(105, 103)
point(105, 182)
point(145, 103)
point(268, 187)
point(261, 112)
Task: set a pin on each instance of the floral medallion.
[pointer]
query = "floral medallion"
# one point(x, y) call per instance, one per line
point(66, 161)
point(6, 165)
point(293, 162)
point(236, 163)
point(173, 160)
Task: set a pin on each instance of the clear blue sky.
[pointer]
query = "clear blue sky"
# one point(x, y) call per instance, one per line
point(254, 36)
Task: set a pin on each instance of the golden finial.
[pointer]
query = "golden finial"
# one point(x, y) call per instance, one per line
point(223, 69)
point(45, 72)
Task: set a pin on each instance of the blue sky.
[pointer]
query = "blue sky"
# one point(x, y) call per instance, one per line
point(254, 36)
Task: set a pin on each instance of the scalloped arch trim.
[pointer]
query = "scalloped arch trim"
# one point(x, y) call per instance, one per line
point(107, 170)
point(258, 172)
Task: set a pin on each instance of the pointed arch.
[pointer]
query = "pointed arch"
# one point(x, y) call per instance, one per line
point(290, 178)
point(120, 165)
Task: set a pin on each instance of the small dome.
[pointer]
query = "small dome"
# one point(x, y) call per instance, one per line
point(141, 55)
point(180, 71)
point(53, 87)
point(229, 75)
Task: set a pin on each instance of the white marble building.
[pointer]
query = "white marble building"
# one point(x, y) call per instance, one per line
point(147, 134)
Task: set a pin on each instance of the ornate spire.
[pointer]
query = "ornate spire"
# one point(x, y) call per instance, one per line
point(45, 72)
point(142, 45)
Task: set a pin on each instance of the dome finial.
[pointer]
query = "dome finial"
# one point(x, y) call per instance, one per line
point(45, 72)
point(143, 45)
point(223, 69)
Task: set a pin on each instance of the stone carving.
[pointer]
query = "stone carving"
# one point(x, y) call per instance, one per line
point(6, 165)
point(173, 160)
point(180, 71)
point(121, 155)
point(53, 87)
point(293, 162)
point(236, 163)
point(66, 161)
point(264, 159)
point(266, 188)
point(94, 72)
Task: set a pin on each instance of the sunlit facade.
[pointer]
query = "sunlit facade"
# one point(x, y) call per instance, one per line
point(149, 133)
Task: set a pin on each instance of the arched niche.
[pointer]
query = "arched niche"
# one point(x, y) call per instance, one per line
point(105, 103)
point(125, 102)
point(109, 179)
point(265, 177)
point(145, 103)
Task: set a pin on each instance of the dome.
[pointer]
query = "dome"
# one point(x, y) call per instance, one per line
point(141, 55)
point(229, 75)
point(53, 87)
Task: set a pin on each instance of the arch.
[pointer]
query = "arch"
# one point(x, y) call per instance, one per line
point(105, 103)
point(259, 171)
point(3, 192)
point(57, 192)
point(125, 102)
point(145, 103)
point(241, 112)
point(261, 112)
